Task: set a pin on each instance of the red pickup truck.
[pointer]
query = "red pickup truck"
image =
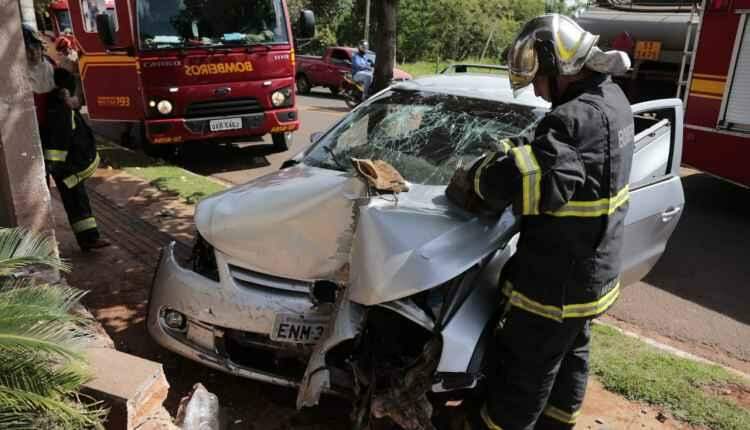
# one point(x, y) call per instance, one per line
point(328, 70)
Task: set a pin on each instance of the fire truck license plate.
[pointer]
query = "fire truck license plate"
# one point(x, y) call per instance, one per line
point(225, 124)
point(298, 328)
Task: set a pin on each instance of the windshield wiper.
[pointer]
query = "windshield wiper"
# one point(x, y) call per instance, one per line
point(334, 158)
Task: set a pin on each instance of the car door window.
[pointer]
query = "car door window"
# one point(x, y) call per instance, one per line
point(653, 151)
point(339, 57)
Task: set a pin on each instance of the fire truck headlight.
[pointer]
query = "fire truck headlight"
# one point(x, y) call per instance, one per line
point(164, 107)
point(282, 97)
point(278, 98)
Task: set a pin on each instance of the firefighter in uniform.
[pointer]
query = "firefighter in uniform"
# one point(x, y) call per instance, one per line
point(569, 183)
point(70, 157)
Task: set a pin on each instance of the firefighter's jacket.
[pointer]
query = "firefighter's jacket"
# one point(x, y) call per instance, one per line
point(68, 143)
point(572, 193)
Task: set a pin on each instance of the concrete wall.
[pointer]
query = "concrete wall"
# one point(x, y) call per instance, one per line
point(24, 196)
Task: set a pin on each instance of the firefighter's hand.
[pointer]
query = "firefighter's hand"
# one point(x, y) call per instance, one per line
point(461, 193)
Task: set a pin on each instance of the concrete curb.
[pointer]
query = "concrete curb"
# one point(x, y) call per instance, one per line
point(672, 350)
point(119, 147)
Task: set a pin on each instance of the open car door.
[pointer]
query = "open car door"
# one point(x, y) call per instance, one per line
point(656, 195)
point(109, 74)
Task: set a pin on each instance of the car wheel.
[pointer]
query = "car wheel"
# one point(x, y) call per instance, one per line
point(303, 85)
point(334, 90)
point(281, 141)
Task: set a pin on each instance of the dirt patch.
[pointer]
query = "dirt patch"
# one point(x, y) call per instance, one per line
point(603, 410)
point(735, 393)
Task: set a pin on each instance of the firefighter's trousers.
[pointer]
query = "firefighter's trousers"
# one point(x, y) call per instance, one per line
point(541, 373)
point(78, 209)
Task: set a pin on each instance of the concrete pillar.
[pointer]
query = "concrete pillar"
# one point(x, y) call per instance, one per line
point(24, 196)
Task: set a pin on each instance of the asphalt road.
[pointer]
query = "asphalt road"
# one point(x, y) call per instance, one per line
point(696, 298)
point(238, 164)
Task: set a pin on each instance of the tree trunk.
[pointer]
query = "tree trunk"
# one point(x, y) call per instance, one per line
point(386, 43)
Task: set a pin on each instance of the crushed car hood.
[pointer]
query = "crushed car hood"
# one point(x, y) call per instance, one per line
point(296, 223)
point(309, 223)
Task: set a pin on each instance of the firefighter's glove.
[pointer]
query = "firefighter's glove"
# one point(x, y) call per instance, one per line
point(460, 190)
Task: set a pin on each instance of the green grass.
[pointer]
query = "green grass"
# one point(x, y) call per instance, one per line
point(641, 372)
point(422, 68)
point(165, 177)
point(189, 186)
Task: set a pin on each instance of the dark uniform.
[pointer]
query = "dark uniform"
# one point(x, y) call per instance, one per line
point(570, 183)
point(70, 157)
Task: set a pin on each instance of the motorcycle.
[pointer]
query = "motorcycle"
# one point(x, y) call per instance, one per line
point(351, 90)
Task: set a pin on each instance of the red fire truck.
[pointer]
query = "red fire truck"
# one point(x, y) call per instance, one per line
point(698, 51)
point(187, 70)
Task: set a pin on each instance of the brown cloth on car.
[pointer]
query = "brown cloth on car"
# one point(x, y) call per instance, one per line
point(381, 175)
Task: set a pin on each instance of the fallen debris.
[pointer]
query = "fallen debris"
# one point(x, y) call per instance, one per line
point(199, 410)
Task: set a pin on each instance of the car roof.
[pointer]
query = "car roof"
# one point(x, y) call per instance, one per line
point(493, 87)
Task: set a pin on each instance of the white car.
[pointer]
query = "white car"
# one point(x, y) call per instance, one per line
point(286, 267)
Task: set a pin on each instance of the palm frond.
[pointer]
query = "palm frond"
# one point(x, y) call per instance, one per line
point(39, 374)
point(20, 248)
point(47, 411)
point(54, 300)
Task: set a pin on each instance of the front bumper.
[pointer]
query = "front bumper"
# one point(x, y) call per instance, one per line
point(176, 130)
point(216, 310)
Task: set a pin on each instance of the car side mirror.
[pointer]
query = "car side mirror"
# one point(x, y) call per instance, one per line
point(105, 26)
point(306, 24)
point(316, 136)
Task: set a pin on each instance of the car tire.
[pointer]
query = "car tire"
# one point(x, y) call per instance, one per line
point(281, 141)
point(335, 90)
point(303, 84)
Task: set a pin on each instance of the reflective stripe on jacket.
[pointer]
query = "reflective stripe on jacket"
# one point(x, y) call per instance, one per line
point(68, 143)
point(572, 193)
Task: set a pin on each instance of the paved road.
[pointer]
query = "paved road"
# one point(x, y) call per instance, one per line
point(697, 296)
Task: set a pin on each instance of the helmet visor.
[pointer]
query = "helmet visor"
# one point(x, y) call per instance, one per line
point(522, 62)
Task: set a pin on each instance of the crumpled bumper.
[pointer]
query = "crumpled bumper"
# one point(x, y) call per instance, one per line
point(212, 309)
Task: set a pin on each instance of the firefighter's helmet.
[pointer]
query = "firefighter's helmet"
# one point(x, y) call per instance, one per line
point(549, 45)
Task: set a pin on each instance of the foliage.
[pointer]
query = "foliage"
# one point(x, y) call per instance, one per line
point(686, 388)
point(428, 30)
point(40, 339)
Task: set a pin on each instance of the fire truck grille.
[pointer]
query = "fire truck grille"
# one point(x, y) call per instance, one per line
point(223, 108)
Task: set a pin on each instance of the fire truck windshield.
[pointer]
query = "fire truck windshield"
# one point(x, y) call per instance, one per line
point(164, 24)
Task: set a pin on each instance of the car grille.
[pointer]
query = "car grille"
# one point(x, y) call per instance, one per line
point(223, 108)
point(251, 279)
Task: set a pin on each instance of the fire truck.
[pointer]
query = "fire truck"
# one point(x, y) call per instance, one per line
point(697, 51)
point(190, 70)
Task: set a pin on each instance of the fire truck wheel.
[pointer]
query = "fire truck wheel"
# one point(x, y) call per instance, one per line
point(335, 90)
point(281, 141)
point(303, 84)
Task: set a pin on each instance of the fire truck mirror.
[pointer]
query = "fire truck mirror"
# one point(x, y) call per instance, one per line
point(106, 28)
point(306, 24)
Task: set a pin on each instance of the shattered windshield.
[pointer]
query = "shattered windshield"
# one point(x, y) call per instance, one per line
point(200, 23)
point(425, 136)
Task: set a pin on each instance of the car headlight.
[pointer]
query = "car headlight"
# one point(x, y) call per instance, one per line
point(164, 107)
point(282, 97)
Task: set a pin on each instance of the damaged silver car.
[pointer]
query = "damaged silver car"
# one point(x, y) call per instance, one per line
point(310, 278)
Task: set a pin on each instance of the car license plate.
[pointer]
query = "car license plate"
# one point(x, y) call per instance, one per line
point(299, 328)
point(225, 124)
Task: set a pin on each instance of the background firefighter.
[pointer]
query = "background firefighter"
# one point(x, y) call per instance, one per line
point(569, 184)
point(70, 157)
